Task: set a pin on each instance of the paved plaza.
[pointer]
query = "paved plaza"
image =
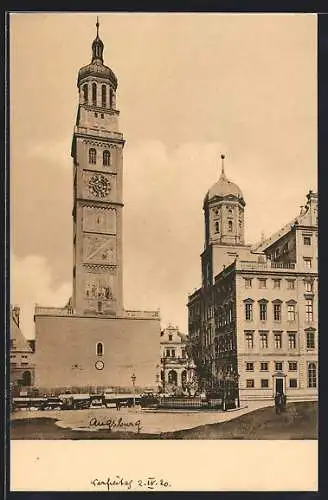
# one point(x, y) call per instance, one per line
point(138, 420)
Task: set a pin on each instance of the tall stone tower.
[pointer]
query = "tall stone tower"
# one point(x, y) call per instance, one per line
point(224, 226)
point(97, 152)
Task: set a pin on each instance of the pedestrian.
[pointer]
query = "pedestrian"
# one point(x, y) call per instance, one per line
point(277, 402)
point(118, 405)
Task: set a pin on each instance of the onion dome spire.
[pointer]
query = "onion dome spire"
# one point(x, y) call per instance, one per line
point(97, 47)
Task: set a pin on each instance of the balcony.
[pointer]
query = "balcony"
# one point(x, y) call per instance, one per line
point(244, 265)
point(63, 311)
point(142, 314)
point(52, 311)
point(174, 360)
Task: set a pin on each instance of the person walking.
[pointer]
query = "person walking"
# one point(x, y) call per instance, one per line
point(277, 402)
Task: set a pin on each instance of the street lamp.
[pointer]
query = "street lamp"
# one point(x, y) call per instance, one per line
point(133, 378)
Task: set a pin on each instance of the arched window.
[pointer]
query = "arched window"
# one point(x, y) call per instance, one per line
point(85, 92)
point(92, 156)
point(103, 96)
point(106, 158)
point(217, 227)
point(27, 378)
point(312, 375)
point(94, 94)
point(100, 349)
point(110, 97)
point(172, 377)
point(230, 226)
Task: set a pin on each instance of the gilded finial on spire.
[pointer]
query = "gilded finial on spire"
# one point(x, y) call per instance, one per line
point(222, 165)
point(97, 26)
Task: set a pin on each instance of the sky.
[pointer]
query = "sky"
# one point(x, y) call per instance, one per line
point(190, 87)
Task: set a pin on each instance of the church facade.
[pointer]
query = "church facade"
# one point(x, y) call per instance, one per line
point(253, 324)
point(94, 341)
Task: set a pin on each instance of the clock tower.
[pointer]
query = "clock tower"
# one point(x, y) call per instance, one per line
point(97, 152)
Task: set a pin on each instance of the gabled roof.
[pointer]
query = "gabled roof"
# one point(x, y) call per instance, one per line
point(20, 342)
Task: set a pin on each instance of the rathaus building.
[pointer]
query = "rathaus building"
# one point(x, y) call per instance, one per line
point(93, 341)
point(253, 324)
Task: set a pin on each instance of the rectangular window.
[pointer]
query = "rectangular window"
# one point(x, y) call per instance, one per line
point(264, 367)
point(291, 312)
point(293, 383)
point(249, 311)
point(278, 366)
point(262, 283)
point(250, 383)
point(292, 340)
point(276, 283)
point(250, 367)
point(263, 311)
point(183, 353)
point(167, 353)
point(312, 375)
point(290, 284)
point(277, 340)
point(307, 262)
point(308, 286)
point(24, 363)
point(248, 283)
point(292, 366)
point(308, 310)
point(173, 353)
point(307, 240)
point(263, 340)
point(249, 339)
point(264, 383)
point(310, 340)
point(277, 312)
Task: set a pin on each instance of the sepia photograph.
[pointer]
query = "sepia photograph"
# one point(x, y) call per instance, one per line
point(164, 230)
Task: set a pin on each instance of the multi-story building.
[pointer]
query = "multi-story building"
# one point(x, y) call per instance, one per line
point(254, 321)
point(174, 358)
point(21, 354)
point(94, 341)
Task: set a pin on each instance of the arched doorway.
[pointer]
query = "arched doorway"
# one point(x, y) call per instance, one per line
point(173, 377)
point(27, 379)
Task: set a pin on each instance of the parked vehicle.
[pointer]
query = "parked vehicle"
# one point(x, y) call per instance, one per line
point(51, 403)
point(75, 401)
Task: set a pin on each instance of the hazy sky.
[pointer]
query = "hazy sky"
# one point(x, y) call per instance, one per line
point(190, 87)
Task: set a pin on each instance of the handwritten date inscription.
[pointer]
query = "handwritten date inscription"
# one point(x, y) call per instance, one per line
point(118, 482)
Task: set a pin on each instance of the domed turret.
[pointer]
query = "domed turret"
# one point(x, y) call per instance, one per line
point(223, 187)
point(97, 68)
point(224, 212)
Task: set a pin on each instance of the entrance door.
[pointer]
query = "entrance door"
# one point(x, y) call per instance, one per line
point(279, 385)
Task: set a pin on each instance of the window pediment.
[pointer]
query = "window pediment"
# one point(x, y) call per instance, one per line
point(277, 301)
point(291, 302)
point(263, 301)
point(248, 300)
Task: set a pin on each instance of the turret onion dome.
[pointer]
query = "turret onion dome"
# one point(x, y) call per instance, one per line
point(223, 187)
point(97, 67)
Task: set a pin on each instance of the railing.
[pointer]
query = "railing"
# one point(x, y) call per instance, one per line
point(100, 133)
point(263, 266)
point(52, 311)
point(142, 314)
point(174, 359)
point(63, 311)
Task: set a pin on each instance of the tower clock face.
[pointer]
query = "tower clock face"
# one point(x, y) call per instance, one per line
point(99, 186)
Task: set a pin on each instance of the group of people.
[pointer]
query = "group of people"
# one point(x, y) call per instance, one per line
point(280, 402)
